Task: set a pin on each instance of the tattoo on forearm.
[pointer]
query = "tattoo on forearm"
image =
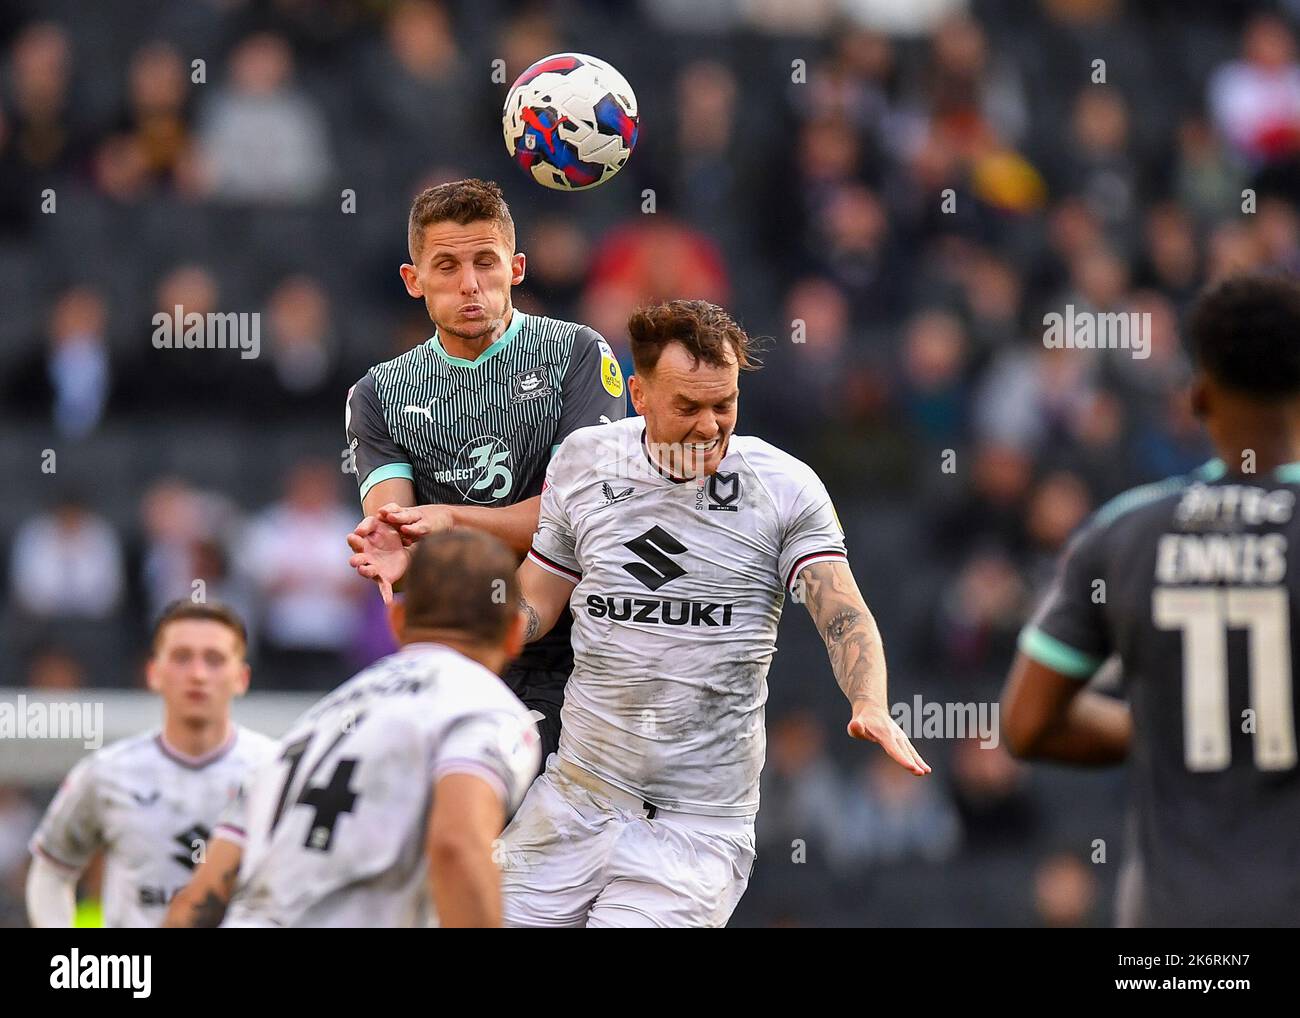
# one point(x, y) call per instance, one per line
point(534, 623)
point(848, 630)
point(209, 912)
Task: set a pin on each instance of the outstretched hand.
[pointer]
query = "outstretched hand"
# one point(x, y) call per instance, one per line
point(872, 723)
point(380, 554)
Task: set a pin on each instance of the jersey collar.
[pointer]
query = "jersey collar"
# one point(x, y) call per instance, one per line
point(645, 450)
point(203, 760)
point(1213, 470)
point(516, 323)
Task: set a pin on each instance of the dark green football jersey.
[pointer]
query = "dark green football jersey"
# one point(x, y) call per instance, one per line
point(481, 432)
point(1189, 583)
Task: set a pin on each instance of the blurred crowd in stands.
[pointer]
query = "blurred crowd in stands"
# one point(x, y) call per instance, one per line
point(893, 194)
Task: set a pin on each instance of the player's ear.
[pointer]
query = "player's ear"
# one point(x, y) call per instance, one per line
point(151, 677)
point(637, 392)
point(245, 677)
point(517, 266)
point(410, 277)
point(397, 619)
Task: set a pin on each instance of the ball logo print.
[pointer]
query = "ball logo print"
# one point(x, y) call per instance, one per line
point(570, 121)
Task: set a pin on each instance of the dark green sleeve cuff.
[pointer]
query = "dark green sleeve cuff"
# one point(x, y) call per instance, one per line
point(1058, 656)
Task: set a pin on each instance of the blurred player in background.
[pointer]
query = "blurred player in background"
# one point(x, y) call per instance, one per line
point(149, 802)
point(458, 431)
point(675, 541)
point(1189, 581)
point(392, 788)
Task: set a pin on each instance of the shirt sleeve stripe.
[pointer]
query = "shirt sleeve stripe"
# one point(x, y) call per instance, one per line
point(229, 832)
point(40, 850)
point(1058, 656)
point(809, 559)
point(387, 472)
point(553, 567)
point(474, 768)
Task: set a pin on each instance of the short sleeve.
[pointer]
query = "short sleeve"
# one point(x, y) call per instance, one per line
point(593, 389)
point(1068, 633)
point(812, 533)
point(232, 825)
point(502, 748)
point(554, 543)
point(376, 457)
point(70, 833)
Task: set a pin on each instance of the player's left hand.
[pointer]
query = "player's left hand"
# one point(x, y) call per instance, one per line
point(380, 554)
point(873, 723)
point(415, 521)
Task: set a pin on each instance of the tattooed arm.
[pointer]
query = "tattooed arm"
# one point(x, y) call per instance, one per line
point(857, 657)
point(203, 901)
point(543, 595)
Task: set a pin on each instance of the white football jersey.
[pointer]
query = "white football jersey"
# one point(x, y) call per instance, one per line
point(151, 809)
point(679, 590)
point(335, 823)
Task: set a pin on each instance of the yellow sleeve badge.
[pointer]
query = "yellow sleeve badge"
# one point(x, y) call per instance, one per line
point(611, 375)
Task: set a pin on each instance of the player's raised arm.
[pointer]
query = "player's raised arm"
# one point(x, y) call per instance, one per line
point(51, 895)
point(513, 524)
point(203, 901)
point(68, 837)
point(1047, 713)
point(465, 819)
point(386, 479)
point(857, 657)
point(1050, 716)
point(544, 594)
point(551, 570)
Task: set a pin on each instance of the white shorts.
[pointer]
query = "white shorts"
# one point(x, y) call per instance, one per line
point(585, 855)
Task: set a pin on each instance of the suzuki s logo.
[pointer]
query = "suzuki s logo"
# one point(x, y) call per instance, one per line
point(192, 841)
point(654, 548)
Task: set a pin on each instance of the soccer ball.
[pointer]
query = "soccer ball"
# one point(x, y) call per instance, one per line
point(570, 121)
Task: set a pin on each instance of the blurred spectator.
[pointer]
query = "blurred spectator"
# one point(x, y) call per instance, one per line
point(979, 616)
point(185, 533)
point(52, 667)
point(935, 393)
point(1256, 99)
point(1099, 166)
point(993, 797)
point(155, 117)
point(801, 792)
point(67, 564)
point(414, 85)
point(45, 136)
point(69, 384)
point(262, 140)
point(309, 597)
point(553, 285)
point(891, 817)
point(1065, 892)
point(301, 374)
point(657, 259)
